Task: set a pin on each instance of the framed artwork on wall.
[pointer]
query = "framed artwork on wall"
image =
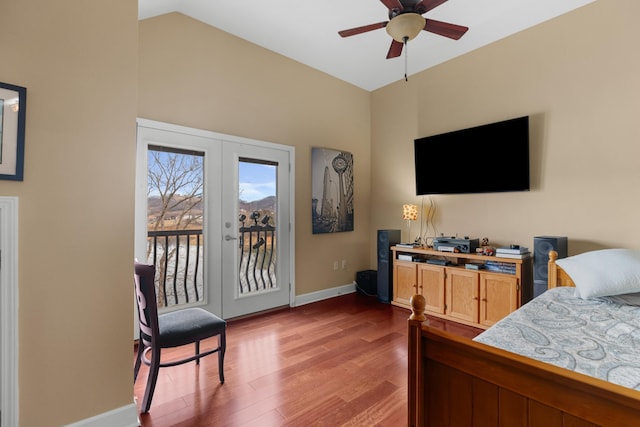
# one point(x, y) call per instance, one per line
point(13, 107)
point(332, 190)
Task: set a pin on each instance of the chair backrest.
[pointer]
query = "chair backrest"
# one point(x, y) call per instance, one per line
point(144, 275)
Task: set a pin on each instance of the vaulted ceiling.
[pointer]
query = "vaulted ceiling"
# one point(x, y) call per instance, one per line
point(307, 31)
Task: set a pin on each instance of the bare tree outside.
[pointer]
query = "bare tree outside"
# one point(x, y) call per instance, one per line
point(175, 204)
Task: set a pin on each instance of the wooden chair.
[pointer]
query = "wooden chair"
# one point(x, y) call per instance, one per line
point(173, 329)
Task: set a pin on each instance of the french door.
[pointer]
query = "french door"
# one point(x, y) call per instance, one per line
point(214, 214)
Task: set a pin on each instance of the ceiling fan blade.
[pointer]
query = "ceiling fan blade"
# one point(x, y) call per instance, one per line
point(445, 29)
point(363, 29)
point(393, 4)
point(395, 49)
point(425, 6)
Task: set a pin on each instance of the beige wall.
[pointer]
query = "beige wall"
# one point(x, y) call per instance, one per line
point(194, 75)
point(577, 76)
point(78, 62)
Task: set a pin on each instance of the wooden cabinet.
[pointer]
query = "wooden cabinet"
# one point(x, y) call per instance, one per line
point(404, 274)
point(499, 296)
point(462, 294)
point(431, 285)
point(474, 297)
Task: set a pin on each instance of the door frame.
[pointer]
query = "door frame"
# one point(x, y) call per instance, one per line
point(141, 187)
point(9, 311)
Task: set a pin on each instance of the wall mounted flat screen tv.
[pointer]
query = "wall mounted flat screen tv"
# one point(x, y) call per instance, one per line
point(490, 158)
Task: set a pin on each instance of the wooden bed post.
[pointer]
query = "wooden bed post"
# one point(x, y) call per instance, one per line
point(552, 274)
point(415, 374)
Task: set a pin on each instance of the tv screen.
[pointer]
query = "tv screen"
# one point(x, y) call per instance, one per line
point(484, 159)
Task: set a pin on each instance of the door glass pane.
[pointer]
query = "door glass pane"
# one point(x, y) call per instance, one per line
point(175, 209)
point(257, 216)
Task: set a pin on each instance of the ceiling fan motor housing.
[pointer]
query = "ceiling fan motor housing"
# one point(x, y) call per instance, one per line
point(410, 8)
point(393, 13)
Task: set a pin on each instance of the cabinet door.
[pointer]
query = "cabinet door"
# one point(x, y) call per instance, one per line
point(462, 294)
point(404, 281)
point(499, 296)
point(431, 286)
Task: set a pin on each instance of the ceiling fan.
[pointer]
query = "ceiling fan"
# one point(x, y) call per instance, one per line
point(406, 21)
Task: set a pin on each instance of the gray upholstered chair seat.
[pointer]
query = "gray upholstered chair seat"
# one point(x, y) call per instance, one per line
point(189, 325)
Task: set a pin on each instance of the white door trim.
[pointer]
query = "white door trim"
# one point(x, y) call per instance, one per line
point(9, 311)
point(141, 186)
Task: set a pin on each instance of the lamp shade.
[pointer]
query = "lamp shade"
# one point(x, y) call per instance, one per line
point(406, 26)
point(409, 212)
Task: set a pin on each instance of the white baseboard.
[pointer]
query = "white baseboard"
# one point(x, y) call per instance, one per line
point(325, 294)
point(126, 416)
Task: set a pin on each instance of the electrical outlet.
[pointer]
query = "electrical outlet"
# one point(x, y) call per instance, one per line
point(335, 265)
point(344, 264)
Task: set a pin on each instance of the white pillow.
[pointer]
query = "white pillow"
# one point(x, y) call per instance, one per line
point(604, 272)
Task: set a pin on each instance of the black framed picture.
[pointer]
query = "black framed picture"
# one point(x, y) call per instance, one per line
point(13, 109)
point(332, 190)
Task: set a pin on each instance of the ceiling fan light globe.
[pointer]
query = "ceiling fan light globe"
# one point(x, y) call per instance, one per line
point(405, 27)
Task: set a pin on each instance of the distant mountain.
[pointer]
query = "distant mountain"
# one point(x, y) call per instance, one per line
point(154, 206)
point(266, 204)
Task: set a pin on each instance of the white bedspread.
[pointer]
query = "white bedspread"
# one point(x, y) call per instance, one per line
point(597, 337)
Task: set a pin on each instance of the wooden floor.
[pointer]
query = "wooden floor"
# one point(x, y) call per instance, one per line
point(339, 362)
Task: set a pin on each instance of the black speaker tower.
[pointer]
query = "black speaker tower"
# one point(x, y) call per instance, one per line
point(386, 239)
point(541, 247)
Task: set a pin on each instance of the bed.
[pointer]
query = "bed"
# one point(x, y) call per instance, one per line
point(455, 381)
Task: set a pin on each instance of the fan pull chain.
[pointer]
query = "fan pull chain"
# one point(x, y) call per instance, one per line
point(406, 54)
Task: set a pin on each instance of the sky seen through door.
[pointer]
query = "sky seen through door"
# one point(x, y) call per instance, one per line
point(256, 181)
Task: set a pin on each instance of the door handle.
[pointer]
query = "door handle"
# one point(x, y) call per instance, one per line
point(227, 238)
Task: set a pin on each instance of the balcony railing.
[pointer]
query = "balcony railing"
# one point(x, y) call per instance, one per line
point(179, 259)
point(257, 255)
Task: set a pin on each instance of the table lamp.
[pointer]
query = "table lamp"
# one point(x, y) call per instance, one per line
point(409, 213)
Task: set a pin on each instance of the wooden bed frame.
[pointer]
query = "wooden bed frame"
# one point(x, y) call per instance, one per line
point(454, 381)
